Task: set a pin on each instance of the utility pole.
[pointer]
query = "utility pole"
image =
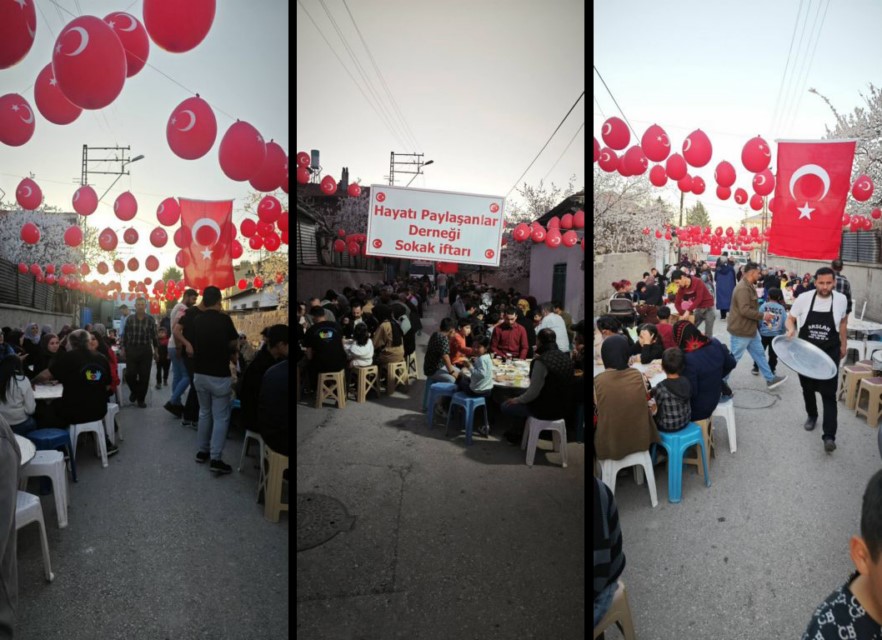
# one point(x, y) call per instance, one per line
point(393, 163)
point(682, 196)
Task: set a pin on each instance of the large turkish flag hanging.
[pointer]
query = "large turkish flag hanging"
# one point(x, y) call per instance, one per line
point(810, 193)
point(207, 257)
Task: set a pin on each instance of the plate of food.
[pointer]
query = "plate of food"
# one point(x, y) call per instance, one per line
point(804, 358)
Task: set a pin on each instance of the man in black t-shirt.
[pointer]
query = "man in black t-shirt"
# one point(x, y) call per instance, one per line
point(85, 375)
point(324, 345)
point(215, 348)
point(185, 335)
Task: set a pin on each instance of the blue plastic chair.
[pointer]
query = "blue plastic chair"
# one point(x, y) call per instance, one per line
point(469, 404)
point(50, 439)
point(676, 443)
point(434, 392)
point(237, 404)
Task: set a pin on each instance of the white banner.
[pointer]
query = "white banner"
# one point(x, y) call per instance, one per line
point(438, 226)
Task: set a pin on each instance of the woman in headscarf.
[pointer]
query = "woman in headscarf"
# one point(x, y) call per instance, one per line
point(624, 419)
point(708, 361)
point(31, 346)
point(48, 350)
point(388, 338)
point(805, 285)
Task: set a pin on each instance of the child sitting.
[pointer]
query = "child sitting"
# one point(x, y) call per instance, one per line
point(672, 395)
point(775, 327)
point(361, 351)
point(665, 327)
point(480, 382)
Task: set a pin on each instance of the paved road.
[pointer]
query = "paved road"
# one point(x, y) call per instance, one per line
point(156, 548)
point(750, 557)
point(448, 541)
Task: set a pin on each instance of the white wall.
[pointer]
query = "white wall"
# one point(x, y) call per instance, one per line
point(612, 267)
point(542, 261)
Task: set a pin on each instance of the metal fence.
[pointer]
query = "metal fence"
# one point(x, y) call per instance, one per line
point(23, 290)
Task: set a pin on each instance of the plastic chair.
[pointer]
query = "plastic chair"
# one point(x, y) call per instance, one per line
point(469, 404)
point(726, 410)
point(531, 438)
point(857, 345)
point(676, 443)
point(872, 347)
point(853, 377)
point(250, 435)
point(873, 389)
point(412, 370)
point(396, 373)
point(367, 378)
point(110, 422)
point(619, 614)
point(434, 392)
point(49, 464)
point(27, 510)
point(641, 461)
point(96, 426)
point(276, 464)
point(331, 385)
point(51, 439)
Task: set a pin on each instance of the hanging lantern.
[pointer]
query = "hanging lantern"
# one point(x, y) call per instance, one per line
point(191, 129)
point(178, 26)
point(89, 62)
point(242, 151)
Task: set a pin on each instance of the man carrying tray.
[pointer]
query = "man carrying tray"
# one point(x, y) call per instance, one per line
point(822, 318)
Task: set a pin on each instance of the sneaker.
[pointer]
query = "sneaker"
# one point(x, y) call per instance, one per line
point(112, 449)
point(726, 391)
point(776, 382)
point(755, 371)
point(189, 424)
point(177, 410)
point(829, 446)
point(132, 398)
point(165, 384)
point(142, 405)
point(810, 423)
point(220, 467)
point(202, 456)
point(158, 386)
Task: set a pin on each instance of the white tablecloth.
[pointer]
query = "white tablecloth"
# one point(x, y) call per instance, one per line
point(642, 368)
point(48, 391)
point(863, 326)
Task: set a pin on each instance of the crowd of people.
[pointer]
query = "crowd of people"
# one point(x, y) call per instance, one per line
point(378, 325)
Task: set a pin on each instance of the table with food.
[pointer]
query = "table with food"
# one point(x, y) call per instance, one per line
point(652, 371)
point(511, 374)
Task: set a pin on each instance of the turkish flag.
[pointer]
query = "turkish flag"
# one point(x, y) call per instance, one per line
point(810, 193)
point(207, 255)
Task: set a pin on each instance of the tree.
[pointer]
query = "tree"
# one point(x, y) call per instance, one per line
point(172, 273)
point(698, 215)
point(622, 209)
point(268, 265)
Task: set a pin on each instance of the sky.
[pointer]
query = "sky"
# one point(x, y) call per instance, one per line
point(241, 69)
point(481, 87)
point(721, 67)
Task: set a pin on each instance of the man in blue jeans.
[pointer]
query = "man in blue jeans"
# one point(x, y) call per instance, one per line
point(180, 375)
point(216, 347)
point(743, 325)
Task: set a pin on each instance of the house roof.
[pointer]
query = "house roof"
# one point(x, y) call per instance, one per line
point(570, 204)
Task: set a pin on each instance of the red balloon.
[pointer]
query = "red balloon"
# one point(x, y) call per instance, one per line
point(36, 270)
point(280, 278)
point(102, 268)
point(339, 246)
point(566, 221)
point(243, 283)
point(169, 212)
point(570, 238)
point(282, 222)
point(132, 264)
point(697, 149)
point(119, 266)
point(596, 150)
point(635, 160)
point(657, 176)
point(84, 269)
point(328, 186)
point(646, 231)
point(50, 279)
point(302, 175)
point(125, 207)
point(258, 282)
point(130, 236)
point(685, 183)
point(158, 237)
point(284, 185)
point(668, 235)
point(609, 160)
point(353, 190)
point(51, 102)
point(182, 259)
point(30, 234)
point(862, 189)
point(730, 232)
point(50, 268)
point(73, 237)
point(554, 223)
point(272, 242)
point(40, 278)
point(22, 267)
point(553, 238)
point(771, 204)
point(521, 232)
point(579, 219)
point(876, 214)
point(754, 232)
point(675, 166)
point(353, 248)
point(236, 250)
point(89, 62)
point(133, 37)
point(723, 193)
point(269, 209)
point(182, 237)
point(698, 185)
point(655, 144)
point(658, 234)
point(538, 234)
point(18, 26)
point(615, 133)
point(191, 129)
point(740, 195)
point(724, 174)
point(273, 169)
point(756, 202)
point(242, 151)
point(255, 242)
point(302, 159)
point(16, 120)
point(845, 219)
point(85, 200)
point(756, 155)
point(764, 182)
point(178, 26)
point(248, 227)
point(28, 194)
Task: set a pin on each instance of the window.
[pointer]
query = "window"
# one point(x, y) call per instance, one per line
point(559, 283)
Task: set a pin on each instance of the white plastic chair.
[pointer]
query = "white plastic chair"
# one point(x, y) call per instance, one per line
point(872, 347)
point(49, 464)
point(97, 427)
point(253, 435)
point(27, 510)
point(531, 437)
point(641, 461)
point(110, 422)
point(726, 410)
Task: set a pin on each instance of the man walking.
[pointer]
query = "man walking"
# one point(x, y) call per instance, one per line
point(141, 347)
point(822, 319)
point(694, 297)
point(216, 346)
point(843, 286)
point(180, 375)
point(743, 325)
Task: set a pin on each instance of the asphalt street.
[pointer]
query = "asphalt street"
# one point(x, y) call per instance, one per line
point(751, 556)
point(156, 547)
point(447, 541)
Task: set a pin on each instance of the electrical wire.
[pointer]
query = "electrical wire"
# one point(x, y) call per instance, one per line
point(581, 95)
point(564, 151)
point(811, 61)
point(785, 117)
point(615, 102)
point(602, 114)
point(789, 90)
point(786, 66)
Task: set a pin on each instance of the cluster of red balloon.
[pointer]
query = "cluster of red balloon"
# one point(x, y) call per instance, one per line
point(744, 239)
point(328, 185)
point(552, 236)
point(91, 59)
point(354, 243)
point(261, 233)
point(70, 278)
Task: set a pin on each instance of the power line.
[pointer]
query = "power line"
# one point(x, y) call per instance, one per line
point(581, 95)
point(603, 115)
point(785, 116)
point(564, 151)
point(788, 91)
point(615, 101)
point(786, 66)
point(809, 68)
